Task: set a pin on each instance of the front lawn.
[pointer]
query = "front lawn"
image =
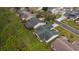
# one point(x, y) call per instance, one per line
point(71, 23)
point(71, 37)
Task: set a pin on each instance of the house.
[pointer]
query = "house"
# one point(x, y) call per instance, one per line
point(77, 21)
point(45, 33)
point(24, 14)
point(70, 16)
point(62, 44)
point(67, 9)
point(34, 9)
point(76, 45)
point(56, 10)
point(33, 22)
point(50, 8)
point(77, 15)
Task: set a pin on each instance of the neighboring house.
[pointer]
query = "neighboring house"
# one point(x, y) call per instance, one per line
point(77, 15)
point(70, 16)
point(24, 14)
point(33, 22)
point(35, 8)
point(68, 9)
point(56, 10)
point(76, 45)
point(45, 33)
point(31, 9)
point(77, 21)
point(62, 44)
point(68, 12)
point(50, 8)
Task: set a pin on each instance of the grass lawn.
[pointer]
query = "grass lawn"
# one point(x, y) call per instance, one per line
point(71, 23)
point(58, 16)
point(71, 37)
point(14, 36)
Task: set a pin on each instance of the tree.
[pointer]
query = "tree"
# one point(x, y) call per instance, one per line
point(40, 14)
point(48, 16)
point(45, 8)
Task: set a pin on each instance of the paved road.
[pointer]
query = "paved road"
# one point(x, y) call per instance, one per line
point(67, 27)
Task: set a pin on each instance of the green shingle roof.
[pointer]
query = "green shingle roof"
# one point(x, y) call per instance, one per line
point(45, 33)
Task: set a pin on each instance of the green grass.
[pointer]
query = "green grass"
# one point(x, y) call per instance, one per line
point(58, 16)
point(71, 37)
point(71, 23)
point(14, 36)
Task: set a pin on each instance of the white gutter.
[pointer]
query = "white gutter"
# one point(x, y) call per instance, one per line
point(39, 24)
point(53, 37)
point(38, 37)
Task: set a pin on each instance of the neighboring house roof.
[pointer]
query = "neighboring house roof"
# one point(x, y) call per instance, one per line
point(61, 44)
point(50, 8)
point(76, 45)
point(77, 15)
point(24, 15)
point(70, 16)
point(32, 22)
point(45, 34)
point(77, 21)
